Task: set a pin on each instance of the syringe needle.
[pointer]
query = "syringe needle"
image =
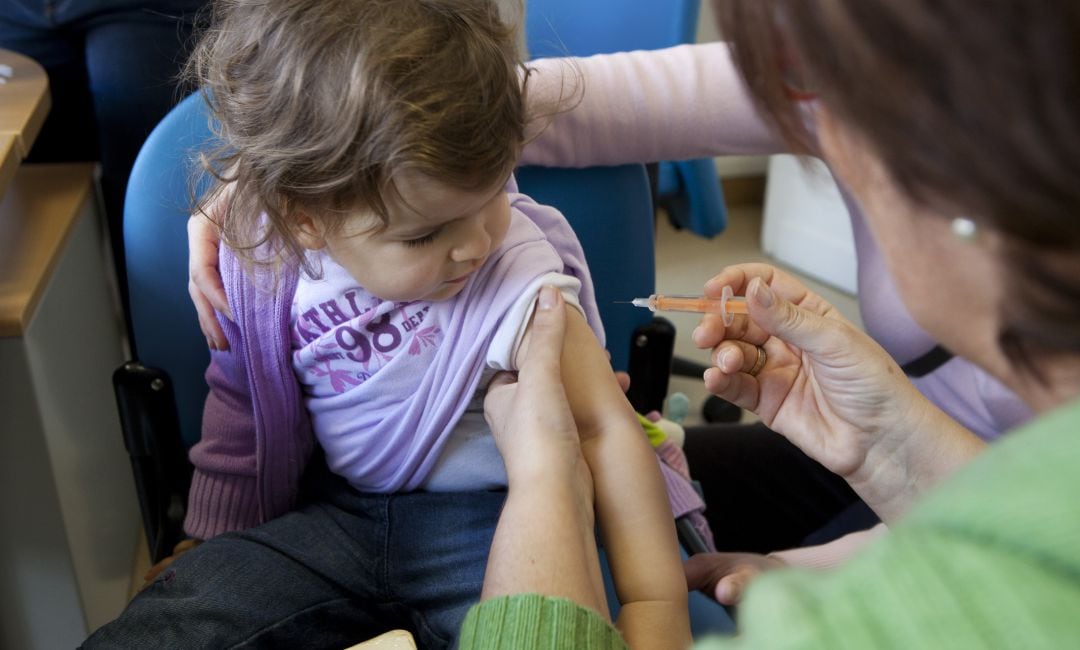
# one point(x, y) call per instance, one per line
point(727, 305)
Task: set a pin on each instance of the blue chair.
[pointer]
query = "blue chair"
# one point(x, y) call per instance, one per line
point(689, 190)
point(160, 393)
point(620, 258)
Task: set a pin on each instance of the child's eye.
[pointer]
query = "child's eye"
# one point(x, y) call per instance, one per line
point(421, 241)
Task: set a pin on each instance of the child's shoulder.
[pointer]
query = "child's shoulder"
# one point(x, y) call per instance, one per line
point(523, 226)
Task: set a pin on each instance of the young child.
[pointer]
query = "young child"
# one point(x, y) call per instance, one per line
point(380, 268)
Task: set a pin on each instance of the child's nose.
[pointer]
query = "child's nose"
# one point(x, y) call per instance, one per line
point(475, 242)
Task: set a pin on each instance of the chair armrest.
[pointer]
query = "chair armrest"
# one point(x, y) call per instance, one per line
point(652, 348)
point(162, 472)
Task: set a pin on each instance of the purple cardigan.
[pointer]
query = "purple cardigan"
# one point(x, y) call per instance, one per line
point(256, 436)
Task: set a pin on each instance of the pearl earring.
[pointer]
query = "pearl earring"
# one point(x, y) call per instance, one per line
point(964, 229)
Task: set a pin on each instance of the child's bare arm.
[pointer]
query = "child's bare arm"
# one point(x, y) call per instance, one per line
point(632, 508)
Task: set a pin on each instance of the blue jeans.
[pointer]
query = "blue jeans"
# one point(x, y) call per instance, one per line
point(113, 67)
point(342, 568)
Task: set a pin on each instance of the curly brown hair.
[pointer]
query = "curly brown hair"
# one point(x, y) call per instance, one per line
point(318, 104)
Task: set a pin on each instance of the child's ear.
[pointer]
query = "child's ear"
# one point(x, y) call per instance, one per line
point(308, 232)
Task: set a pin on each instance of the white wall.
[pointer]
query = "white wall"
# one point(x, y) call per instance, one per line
point(806, 223)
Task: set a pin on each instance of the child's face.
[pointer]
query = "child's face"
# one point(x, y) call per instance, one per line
point(436, 237)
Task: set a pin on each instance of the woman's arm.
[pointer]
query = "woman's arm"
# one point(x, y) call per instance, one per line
point(545, 540)
point(672, 104)
point(636, 524)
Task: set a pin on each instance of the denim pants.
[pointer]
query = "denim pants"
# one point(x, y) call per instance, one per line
point(113, 67)
point(342, 568)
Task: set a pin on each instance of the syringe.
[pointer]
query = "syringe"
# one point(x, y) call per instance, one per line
point(727, 305)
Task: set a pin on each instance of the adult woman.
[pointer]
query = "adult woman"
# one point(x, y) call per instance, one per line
point(969, 189)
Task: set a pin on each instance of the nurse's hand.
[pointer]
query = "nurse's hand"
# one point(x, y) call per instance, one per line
point(829, 388)
point(545, 541)
point(204, 278)
point(529, 414)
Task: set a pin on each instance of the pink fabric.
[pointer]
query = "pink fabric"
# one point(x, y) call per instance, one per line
point(685, 500)
point(673, 104)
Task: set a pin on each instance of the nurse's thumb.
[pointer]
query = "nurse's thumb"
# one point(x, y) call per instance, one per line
point(787, 321)
point(546, 332)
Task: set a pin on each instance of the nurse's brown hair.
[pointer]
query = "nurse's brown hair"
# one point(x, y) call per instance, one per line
point(974, 108)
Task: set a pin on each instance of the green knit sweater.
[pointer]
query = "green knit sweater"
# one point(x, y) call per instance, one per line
point(990, 559)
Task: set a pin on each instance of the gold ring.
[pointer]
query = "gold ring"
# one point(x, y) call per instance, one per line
point(760, 363)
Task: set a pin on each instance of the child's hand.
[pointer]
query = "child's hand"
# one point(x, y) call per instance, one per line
point(178, 550)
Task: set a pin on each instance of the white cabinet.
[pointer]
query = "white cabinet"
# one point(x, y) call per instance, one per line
point(806, 224)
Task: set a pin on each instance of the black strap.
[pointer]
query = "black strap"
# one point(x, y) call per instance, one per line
point(927, 363)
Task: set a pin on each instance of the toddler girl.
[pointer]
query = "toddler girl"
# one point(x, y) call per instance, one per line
point(380, 267)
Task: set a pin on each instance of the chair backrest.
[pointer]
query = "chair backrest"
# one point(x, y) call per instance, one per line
point(609, 207)
point(689, 190)
point(586, 27)
point(165, 326)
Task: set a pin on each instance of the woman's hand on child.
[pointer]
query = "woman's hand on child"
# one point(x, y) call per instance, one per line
point(529, 415)
point(545, 541)
point(204, 278)
point(725, 576)
point(178, 550)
